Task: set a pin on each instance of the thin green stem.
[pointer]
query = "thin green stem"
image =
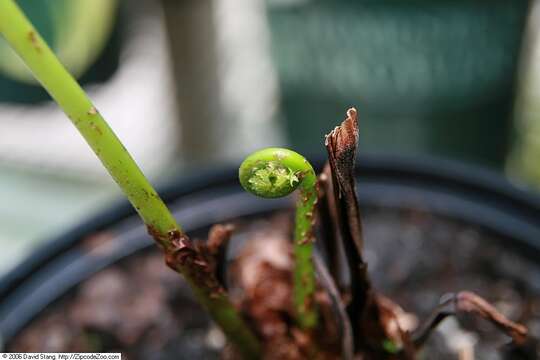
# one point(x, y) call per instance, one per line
point(64, 89)
point(276, 172)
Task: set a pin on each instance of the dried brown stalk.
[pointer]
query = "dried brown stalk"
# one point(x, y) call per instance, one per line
point(341, 145)
point(469, 302)
point(372, 316)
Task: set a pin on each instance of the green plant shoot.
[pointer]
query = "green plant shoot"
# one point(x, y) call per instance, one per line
point(64, 89)
point(276, 172)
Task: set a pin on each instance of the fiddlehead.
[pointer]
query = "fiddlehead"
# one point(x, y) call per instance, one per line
point(277, 172)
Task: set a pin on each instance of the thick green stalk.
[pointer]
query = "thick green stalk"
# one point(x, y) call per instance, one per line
point(64, 89)
point(276, 172)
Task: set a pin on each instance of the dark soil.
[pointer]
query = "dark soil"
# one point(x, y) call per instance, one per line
point(415, 257)
point(142, 309)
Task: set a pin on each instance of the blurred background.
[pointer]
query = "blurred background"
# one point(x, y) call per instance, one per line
point(188, 84)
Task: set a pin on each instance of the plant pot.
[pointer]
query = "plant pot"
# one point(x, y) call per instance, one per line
point(477, 230)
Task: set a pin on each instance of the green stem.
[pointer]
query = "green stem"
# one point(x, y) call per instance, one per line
point(64, 89)
point(276, 172)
